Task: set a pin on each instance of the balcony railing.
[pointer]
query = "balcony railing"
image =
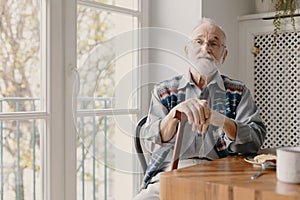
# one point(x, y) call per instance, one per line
point(13, 142)
point(93, 103)
point(20, 152)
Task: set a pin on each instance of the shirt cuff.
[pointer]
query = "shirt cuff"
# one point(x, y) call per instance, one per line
point(243, 133)
point(153, 140)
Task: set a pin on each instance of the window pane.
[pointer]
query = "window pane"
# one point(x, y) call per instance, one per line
point(130, 4)
point(20, 159)
point(105, 158)
point(20, 56)
point(105, 57)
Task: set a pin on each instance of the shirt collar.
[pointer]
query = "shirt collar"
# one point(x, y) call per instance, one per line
point(217, 79)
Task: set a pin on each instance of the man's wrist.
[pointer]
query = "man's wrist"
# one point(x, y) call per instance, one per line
point(230, 128)
point(217, 119)
point(168, 127)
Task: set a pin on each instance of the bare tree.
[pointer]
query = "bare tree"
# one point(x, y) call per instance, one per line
point(20, 89)
point(19, 63)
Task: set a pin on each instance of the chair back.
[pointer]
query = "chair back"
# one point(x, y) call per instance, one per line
point(138, 144)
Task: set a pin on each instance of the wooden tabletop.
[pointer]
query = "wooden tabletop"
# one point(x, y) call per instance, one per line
point(225, 179)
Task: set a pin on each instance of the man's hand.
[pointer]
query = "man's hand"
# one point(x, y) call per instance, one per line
point(198, 115)
point(197, 112)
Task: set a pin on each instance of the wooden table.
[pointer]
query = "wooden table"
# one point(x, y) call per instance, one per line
point(225, 179)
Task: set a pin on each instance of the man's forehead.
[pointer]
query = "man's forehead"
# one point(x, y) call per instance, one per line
point(213, 31)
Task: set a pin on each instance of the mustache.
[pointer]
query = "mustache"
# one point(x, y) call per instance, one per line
point(204, 55)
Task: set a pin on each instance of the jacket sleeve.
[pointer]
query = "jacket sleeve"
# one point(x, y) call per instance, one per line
point(251, 130)
point(151, 131)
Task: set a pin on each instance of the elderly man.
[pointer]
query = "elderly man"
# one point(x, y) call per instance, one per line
point(221, 114)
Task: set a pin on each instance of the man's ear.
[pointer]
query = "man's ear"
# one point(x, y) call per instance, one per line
point(224, 56)
point(186, 50)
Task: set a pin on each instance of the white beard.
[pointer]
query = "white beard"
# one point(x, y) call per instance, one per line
point(205, 65)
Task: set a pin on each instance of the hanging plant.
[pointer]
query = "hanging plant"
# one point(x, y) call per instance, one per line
point(283, 8)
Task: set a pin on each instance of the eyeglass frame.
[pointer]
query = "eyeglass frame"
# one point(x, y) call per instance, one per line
point(210, 44)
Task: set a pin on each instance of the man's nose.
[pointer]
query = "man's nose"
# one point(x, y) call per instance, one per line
point(205, 47)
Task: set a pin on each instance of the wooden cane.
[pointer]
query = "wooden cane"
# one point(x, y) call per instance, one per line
point(182, 119)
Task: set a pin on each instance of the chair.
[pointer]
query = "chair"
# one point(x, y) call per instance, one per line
point(138, 145)
point(139, 148)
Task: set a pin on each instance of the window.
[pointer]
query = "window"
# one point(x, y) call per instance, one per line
point(107, 105)
point(32, 101)
point(23, 113)
point(52, 146)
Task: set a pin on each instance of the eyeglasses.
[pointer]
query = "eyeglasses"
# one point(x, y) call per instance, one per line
point(213, 45)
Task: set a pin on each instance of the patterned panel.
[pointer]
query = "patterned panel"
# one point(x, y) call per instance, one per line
point(277, 87)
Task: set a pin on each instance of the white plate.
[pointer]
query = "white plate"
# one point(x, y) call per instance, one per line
point(256, 164)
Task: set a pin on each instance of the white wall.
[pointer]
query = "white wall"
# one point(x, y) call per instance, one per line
point(180, 17)
point(225, 13)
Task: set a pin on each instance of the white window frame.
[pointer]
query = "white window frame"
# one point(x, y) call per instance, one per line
point(59, 172)
point(60, 155)
point(144, 97)
point(58, 162)
point(52, 140)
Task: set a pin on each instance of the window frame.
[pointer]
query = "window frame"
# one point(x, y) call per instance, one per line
point(57, 159)
point(58, 43)
point(59, 141)
point(143, 98)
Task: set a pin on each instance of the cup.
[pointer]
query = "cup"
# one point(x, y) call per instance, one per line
point(288, 164)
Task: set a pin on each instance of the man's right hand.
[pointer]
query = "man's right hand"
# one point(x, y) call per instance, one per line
point(197, 112)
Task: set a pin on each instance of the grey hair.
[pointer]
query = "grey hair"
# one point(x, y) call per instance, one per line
point(205, 20)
